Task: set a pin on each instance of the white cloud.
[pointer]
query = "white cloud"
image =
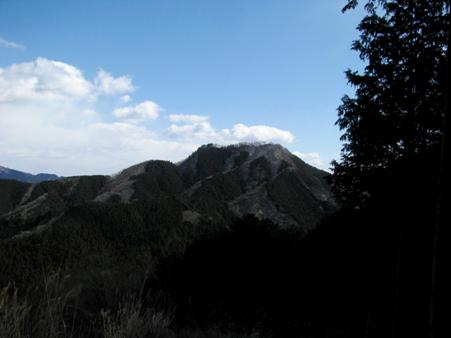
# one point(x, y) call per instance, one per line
point(187, 118)
point(54, 119)
point(261, 133)
point(44, 80)
point(126, 98)
point(50, 121)
point(109, 85)
point(11, 44)
point(203, 131)
point(50, 81)
point(312, 158)
point(142, 111)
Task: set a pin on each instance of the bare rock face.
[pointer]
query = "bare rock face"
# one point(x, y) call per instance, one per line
point(265, 180)
point(121, 186)
point(215, 184)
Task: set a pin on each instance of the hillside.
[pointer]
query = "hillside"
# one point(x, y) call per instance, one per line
point(154, 208)
point(214, 184)
point(110, 235)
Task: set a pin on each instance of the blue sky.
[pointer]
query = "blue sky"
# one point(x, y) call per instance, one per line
point(251, 64)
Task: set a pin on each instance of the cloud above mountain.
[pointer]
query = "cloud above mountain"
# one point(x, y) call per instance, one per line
point(139, 112)
point(53, 117)
point(47, 80)
point(312, 158)
point(109, 85)
point(199, 127)
point(44, 80)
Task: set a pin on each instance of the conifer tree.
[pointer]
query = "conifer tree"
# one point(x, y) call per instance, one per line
point(400, 109)
point(398, 106)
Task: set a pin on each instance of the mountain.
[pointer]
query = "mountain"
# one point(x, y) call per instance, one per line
point(11, 174)
point(264, 180)
point(214, 183)
point(156, 207)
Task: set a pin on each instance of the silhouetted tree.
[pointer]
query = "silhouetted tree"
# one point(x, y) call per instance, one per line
point(398, 105)
point(400, 108)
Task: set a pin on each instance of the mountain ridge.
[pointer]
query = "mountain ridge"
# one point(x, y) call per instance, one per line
point(12, 174)
point(214, 184)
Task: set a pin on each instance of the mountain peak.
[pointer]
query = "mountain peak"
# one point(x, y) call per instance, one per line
point(263, 179)
point(212, 159)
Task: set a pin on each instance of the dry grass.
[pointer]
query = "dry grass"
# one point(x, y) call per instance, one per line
point(130, 321)
point(49, 311)
point(14, 314)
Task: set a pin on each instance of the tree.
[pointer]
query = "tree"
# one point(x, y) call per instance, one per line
point(401, 108)
point(397, 108)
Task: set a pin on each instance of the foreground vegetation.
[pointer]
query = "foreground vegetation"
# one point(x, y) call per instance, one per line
point(53, 310)
point(362, 273)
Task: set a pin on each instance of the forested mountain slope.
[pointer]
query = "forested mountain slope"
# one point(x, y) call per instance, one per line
point(154, 208)
point(214, 184)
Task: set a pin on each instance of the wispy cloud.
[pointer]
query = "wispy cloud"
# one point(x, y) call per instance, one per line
point(187, 118)
point(10, 44)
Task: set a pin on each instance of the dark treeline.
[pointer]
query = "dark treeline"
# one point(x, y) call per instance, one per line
point(362, 273)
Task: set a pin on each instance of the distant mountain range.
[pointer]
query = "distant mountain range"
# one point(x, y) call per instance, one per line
point(11, 174)
point(157, 206)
